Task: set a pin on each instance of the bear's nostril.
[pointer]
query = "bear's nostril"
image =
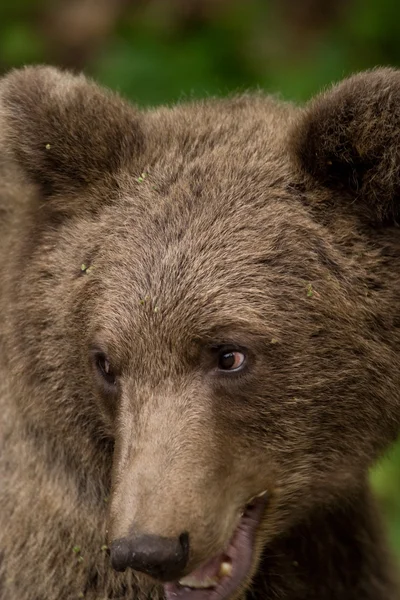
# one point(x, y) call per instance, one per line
point(120, 553)
point(160, 557)
point(184, 542)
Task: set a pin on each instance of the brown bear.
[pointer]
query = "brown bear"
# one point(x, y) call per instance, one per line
point(199, 340)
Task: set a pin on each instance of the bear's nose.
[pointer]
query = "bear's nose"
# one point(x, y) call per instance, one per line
point(160, 557)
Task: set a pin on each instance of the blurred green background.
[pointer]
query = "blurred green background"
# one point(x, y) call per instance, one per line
point(159, 51)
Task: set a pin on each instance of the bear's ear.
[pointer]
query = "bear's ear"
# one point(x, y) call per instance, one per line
point(348, 138)
point(65, 131)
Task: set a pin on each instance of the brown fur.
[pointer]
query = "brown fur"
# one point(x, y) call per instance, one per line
point(243, 220)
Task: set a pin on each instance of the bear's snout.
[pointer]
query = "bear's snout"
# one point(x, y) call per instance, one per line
point(160, 557)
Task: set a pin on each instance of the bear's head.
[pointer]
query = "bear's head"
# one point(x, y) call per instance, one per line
point(206, 310)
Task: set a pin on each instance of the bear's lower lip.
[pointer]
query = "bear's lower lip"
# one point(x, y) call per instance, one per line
point(238, 554)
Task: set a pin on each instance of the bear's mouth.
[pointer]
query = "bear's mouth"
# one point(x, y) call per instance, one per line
point(220, 577)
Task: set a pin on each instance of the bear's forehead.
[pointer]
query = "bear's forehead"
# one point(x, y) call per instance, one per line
point(214, 181)
point(178, 274)
point(206, 226)
point(220, 239)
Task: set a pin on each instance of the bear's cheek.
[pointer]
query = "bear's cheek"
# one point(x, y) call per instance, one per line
point(108, 407)
point(105, 400)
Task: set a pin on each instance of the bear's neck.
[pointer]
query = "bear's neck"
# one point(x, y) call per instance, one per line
point(337, 553)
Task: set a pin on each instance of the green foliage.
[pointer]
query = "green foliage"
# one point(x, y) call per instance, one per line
point(385, 479)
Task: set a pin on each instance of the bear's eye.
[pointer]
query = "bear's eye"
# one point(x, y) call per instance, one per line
point(231, 360)
point(104, 367)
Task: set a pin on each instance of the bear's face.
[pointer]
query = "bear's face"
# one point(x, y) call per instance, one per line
point(202, 290)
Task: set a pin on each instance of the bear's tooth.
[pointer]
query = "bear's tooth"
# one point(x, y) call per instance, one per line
point(260, 495)
point(193, 582)
point(225, 569)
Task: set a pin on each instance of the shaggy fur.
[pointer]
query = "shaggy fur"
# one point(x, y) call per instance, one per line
point(155, 237)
